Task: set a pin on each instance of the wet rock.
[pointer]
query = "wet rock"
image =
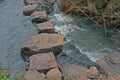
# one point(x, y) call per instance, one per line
point(110, 65)
point(39, 16)
point(43, 43)
point(29, 9)
point(34, 75)
point(93, 73)
point(45, 27)
point(54, 74)
point(72, 72)
point(42, 62)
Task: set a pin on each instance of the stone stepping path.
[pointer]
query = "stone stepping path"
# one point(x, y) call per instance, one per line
point(43, 47)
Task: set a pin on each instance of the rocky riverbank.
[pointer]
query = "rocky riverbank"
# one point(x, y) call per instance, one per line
point(43, 48)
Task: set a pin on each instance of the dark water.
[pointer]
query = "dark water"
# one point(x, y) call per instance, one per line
point(85, 43)
point(14, 29)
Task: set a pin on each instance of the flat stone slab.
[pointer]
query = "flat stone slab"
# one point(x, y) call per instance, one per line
point(42, 62)
point(34, 75)
point(39, 16)
point(43, 43)
point(45, 27)
point(29, 9)
point(27, 2)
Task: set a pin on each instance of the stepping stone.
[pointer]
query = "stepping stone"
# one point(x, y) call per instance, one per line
point(54, 74)
point(43, 43)
point(42, 62)
point(45, 27)
point(34, 75)
point(27, 2)
point(29, 9)
point(39, 16)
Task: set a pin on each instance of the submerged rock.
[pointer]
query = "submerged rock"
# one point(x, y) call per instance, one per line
point(39, 16)
point(42, 62)
point(111, 65)
point(45, 27)
point(29, 9)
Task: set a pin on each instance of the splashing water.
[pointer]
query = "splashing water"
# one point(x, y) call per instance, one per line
point(84, 36)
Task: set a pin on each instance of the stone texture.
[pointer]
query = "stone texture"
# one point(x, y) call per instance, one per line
point(54, 74)
point(113, 76)
point(43, 43)
point(27, 2)
point(45, 27)
point(39, 16)
point(42, 62)
point(34, 75)
point(110, 65)
point(29, 9)
point(72, 72)
point(21, 74)
point(93, 73)
point(83, 78)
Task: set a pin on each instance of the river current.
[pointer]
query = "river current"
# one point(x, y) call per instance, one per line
point(84, 42)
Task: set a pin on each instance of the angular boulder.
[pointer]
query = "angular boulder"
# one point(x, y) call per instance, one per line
point(45, 27)
point(42, 62)
point(29, 9)
point(43, 43)
point(39, 16)
point(54, 74)
point(110, 65)
point(72, 72)
point(34, 75)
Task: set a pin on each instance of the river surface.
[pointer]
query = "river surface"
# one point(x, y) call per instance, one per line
point(84, 43)
point(14, 29)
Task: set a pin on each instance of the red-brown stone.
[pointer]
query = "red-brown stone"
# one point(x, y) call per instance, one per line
point(42, 62)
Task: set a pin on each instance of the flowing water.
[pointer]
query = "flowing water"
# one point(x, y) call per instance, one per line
point(85, 43)
point(14, 29)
